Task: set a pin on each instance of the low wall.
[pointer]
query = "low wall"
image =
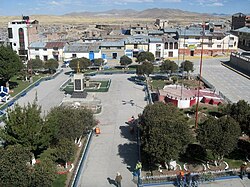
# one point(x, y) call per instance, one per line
point(241, 63)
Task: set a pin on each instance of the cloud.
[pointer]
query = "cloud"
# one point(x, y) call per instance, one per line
point(173, 1)
point(54, 3)
point(216, 4)
point(213, 3)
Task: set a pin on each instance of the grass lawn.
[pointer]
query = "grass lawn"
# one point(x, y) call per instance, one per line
point(21, 85)
point(159, 84)
point(60, 181)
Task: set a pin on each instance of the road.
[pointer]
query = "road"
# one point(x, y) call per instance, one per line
point(230, 83)
point(115, 149)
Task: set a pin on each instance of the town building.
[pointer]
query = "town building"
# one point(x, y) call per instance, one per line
point(244, 37)
point(214, 43)
point(136, 44)
point(112, 51)
point(238, 21)
point(21, 33)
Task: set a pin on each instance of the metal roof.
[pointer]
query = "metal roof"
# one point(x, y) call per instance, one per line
point(155, 40)
point(137, 39)
point(243, 29)
point(112, 44)
point(81, 47)
point(55, 44)
point(40, 45)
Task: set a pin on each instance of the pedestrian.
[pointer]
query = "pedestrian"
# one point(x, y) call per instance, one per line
point(243, 169)
point(118, 179)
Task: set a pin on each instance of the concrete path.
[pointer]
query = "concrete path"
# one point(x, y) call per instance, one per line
point(48, 93)
point(115, 149)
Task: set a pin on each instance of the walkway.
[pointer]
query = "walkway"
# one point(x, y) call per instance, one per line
point(115, 149)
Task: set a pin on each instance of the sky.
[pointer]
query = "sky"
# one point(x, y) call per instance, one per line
point(60, 7)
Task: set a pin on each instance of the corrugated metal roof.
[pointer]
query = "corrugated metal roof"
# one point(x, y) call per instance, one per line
point(112, 44)
point(155, 40)
point(155, 32)
point(137, 39)
point(37, 45)
point(86, 47)
point(244, 29)
point(55, 44)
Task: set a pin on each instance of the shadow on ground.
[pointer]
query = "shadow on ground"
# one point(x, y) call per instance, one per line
point(128, 152)
point(128, 133)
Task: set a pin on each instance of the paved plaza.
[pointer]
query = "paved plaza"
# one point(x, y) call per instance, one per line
point(231, 84)
point(115, 149)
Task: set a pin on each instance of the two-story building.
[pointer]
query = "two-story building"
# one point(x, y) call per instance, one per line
point(112, 51)
point(136, 44)
point(214, 43)
point(244, 37)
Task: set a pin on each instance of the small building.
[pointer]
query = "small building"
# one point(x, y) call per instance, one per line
point(112, 50)
point(136, 44)
point(37, 50)
point(156, 47)
point(244, 37)
point(171, 47)
point(138, 29)
point(78, 50)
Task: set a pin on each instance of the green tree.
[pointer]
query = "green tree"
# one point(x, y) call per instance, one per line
point(24, 126)
point(83, 63)
point(169, 65)
point(98, 62)
point(187, 66)
point(35, 64)
point(10, 64)
point(164, 133)
point(125, 60)
point(145, 68)
point(51, 65)
point(14, 170)
point(143, 56)
point(240, 111)
point(65, 150)
point(219, 135)
point(69, 123)
point(44, 173)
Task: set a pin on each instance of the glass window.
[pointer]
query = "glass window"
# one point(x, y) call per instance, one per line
point(218, 46)
point(171, 45)
point(166, 45)
point(10, 34)
point(175, 45)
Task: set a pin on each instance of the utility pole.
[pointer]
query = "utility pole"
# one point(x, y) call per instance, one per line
point(197, 104)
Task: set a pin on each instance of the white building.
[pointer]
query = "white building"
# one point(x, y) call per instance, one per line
point(21, 33)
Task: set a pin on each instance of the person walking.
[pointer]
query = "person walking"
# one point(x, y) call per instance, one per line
point(118, 179)
point(243, 169)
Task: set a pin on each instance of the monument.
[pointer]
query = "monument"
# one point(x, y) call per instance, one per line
point(79, 84)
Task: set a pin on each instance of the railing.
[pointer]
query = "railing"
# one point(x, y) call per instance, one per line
point(241, 56)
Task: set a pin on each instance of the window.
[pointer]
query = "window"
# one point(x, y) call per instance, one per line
point(185, 45)
point(198, 45)
point(37, 56)
point(44, 49)
point(175, 45)
point(107, 47)
point(166, 45)
point(218, 38)
point(218, 46)
point(210, 38)
point(170, 54)
point(119, 47)
point(231, 38)
point(230, 45)
point(45, 57)
point(171, 45)
point(36, 49)
point(114, 55)
point(74, 55)
point(209, 45)
point(21, 39)
point(186, 37)
point(14, 44)
point(197, 38)
point(135, 46)
point(10, 34)
point(55, 48)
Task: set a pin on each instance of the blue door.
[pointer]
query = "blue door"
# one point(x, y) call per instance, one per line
point(104, 56)
point(91, 55)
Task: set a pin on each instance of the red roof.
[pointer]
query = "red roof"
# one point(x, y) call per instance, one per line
point(55, 44)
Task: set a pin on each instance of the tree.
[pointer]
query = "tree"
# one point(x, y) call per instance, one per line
point(10, 64)
point(65, 150)
point(145, 68)
point(169, 65)
point(240, 111)
point(69, 123)
point(51, 65)
point(44, 173)
point(219, 135)
point(24, 126)
point(142, 56)
point(187, 66)
point(98, 62)
point(125, 60)
point(83, 63)
point(35, 64)
point(14, 170)
point(164, 133)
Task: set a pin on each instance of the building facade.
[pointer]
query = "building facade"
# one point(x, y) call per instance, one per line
point(112, 51)
point(21, 33)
